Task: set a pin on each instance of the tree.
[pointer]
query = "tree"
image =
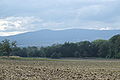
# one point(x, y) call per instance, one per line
point(77, 54)
point(7, 47)
point(1, 53)
point(100, 47)
point(117, 56)
point(56, 55)
point(114, 46)
point(68, 49)
point(32, 52)
point(85, 49)
point(104, 49)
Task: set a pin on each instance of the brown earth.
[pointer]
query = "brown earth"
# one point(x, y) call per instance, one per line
point(59, 70)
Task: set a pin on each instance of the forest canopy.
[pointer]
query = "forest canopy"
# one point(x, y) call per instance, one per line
point(85, 49)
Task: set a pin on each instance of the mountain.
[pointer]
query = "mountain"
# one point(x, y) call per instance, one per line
point(49, 37)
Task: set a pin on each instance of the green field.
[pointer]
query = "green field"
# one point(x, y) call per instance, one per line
point(17, 68)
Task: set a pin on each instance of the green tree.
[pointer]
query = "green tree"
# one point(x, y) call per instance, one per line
point(117, 56)
point(114, 46)
point(56, 55)
point(100, 47)
point(7, 47)
point(32, 52)
point(68, 49)
point(77, 54)
point(85, 49)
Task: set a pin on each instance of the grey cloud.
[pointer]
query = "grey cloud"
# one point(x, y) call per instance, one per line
point(88, 14)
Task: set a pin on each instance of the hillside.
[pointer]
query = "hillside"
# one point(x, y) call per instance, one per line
point(48, 37)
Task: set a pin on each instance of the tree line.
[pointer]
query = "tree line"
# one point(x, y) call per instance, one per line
point(85, 49)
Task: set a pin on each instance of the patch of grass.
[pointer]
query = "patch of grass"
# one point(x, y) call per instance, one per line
point(28, 58)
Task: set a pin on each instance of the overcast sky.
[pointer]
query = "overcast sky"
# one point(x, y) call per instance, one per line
point(19, 16)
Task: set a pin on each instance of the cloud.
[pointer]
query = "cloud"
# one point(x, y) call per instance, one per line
point(19, 16)
point(18, 23)
point(53, 25)
point(10, 33)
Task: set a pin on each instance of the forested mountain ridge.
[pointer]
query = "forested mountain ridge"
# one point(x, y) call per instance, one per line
point(49, 37)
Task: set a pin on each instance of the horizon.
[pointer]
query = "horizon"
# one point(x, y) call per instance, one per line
point(17, 33)
point(8, 34)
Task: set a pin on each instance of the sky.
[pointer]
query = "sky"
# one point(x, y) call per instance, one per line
point(20, 16)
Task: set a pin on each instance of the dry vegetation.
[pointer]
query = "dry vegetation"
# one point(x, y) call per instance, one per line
point(59, 70)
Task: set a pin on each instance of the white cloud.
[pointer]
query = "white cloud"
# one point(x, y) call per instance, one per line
point(17, 23)
point(51, 24)
point(10, 33)
point(106, 28)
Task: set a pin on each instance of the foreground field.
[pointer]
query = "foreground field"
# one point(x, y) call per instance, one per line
point(59, 69)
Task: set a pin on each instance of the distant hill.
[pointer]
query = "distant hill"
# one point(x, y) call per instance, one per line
point(48, 37)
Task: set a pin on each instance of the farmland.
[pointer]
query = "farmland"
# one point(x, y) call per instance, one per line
point(65, 69)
